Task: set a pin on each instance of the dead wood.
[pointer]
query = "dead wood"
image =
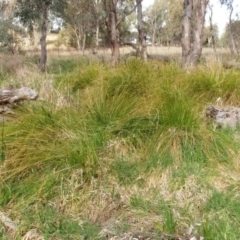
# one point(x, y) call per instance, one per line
point(10, 95)
point(228, 116)
point(8, 223)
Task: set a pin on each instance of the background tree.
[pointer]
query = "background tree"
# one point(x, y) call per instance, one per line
point(79, 19)
point(232, 44)
point(11, 33)
point(141, 34)
point(33, 12)
point(192, 34)
point(156, 17)
point(174, 26)
point(164, 18)
point(213, 29)
point(116, 11)
point(232, 36)
point(209, 33)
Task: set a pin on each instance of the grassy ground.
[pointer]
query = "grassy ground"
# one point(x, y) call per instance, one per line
point(119, 153)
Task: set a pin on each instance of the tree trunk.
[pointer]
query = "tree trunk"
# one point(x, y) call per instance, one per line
point(43, 59)
point(78, 42)
point(35, 37)
point(113, 31)
point(97, 36)
point(212, 39)
point(192, 39)
point(154, 31)
point(142, 38)
point(83, 43)
point(186, 32)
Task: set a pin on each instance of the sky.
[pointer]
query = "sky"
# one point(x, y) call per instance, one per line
point(220, 13)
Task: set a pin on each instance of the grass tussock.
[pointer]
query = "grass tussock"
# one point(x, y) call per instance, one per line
point(128, 143)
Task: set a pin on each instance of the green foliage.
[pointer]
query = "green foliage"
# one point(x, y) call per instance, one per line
point(29, 11)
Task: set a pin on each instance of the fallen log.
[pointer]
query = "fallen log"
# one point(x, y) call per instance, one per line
point(8, 95)
point(224, 116)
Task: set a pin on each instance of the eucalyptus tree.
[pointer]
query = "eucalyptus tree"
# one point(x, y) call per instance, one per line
point(98, 16)
point(33, 12)
point(212, 35)
point(115, 12)
point(156, 18)
point(232, 42)
point(141, 34)
point(174, 20)
point(192, 33)
point(164, 20)
point(10, 31)
point(233, 36)
point(80, 18)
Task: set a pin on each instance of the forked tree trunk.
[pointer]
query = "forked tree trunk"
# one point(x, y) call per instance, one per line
point(192, 35)
point(111, 23)
point(43, 58)
point(112, 27)
point(141, 36)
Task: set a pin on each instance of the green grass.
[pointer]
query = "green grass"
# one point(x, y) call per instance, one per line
point(223, 221)
point(161, 208)
point(121, 149)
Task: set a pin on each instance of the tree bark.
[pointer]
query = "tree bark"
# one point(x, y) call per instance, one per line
point(43, 58)
point(192, 39)
point(35, 36)
point(154, 30)
point(186, 32)
point(112, 27)
point(97, 36)
point(141, 36)
point(84, 43)
point(113, 31)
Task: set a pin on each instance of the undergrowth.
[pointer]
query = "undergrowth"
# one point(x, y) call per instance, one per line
point(104, 141)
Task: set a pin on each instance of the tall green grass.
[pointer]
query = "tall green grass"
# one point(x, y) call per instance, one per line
point(156, 108)
point(120, 125)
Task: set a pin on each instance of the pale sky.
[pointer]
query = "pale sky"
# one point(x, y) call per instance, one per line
point(220, 14)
